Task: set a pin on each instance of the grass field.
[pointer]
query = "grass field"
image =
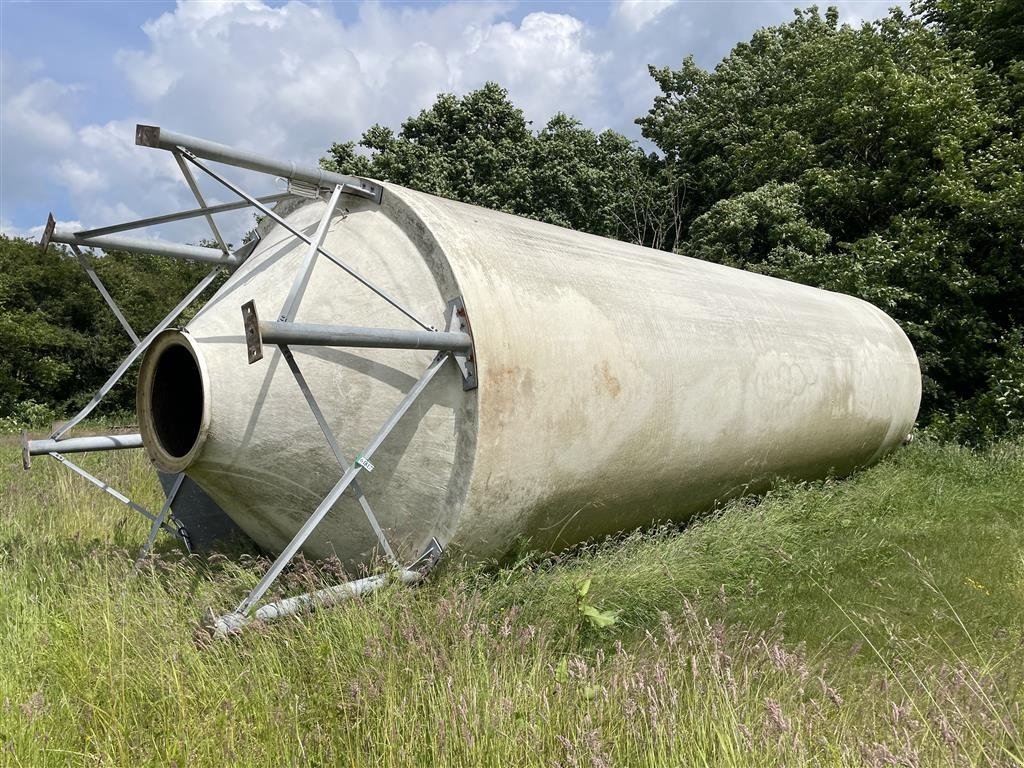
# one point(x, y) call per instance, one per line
point(872, 621)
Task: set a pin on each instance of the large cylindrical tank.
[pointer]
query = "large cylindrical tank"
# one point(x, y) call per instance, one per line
point(618, 385)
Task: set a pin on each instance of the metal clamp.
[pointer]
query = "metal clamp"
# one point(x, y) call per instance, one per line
point(251, 324)
point(456, 320)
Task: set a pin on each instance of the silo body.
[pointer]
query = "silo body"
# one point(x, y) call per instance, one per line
point(618, 385)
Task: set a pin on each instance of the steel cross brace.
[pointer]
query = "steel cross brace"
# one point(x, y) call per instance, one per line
point(361, 463)
point(135, 353)
point(161, 520)
point(288, 311)
point(288, 227)
point(111, 304)
point(191, 181)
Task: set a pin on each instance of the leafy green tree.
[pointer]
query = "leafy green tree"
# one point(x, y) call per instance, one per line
point(474, 148)
point(480, 149)
point(869, 160)
point(991, 30)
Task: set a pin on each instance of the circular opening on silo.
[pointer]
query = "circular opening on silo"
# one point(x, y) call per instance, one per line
point(172, 402)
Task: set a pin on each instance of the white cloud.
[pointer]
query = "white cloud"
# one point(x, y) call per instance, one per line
point(638, 13)
point(34, 113)
point(294, 78)
point(80, 179)
point(36, 128)
point(289, 80)
point(856, 12)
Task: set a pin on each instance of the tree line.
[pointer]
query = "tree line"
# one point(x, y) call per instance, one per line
point(883, 161)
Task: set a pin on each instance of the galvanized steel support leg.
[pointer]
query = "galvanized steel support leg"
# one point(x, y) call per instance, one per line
point(361, 462)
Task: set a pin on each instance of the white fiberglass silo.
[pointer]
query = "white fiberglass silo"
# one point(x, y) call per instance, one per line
point(617, 385)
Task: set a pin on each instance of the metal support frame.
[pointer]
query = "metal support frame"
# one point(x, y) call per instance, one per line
point(288, 311)
point(235, 623)
point(362, 462)
point(161, 138)
point(56, 449)
point(288, 227)
point(448, 343)
point(107, 238)
point(454, 341)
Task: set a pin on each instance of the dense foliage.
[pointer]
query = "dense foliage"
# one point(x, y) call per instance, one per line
point(880, 162)
point(884, 161)
point(59, 340)
point(479, 149)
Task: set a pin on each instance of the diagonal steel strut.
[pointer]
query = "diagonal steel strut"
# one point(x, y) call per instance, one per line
point(105, 294)
point(132, 356)
point(158, 521)
point(291, 302)
point(190, 179)
point(332, 442)
point(285, 225)
point(361, 462)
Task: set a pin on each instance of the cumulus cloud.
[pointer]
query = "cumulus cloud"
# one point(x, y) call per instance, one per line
point(638, 13)
point(292, 78)
point(36, 128)
point(288, 80)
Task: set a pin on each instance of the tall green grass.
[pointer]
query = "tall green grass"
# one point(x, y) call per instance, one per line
point(871, 621)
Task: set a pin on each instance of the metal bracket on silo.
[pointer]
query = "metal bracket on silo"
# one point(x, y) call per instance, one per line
point(251, 325)
point(457, 321)
point(454, 340)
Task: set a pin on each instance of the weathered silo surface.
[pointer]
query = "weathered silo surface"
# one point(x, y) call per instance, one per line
point(618, 385)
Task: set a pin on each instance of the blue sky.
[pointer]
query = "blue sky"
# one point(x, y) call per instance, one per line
point(288, 79)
